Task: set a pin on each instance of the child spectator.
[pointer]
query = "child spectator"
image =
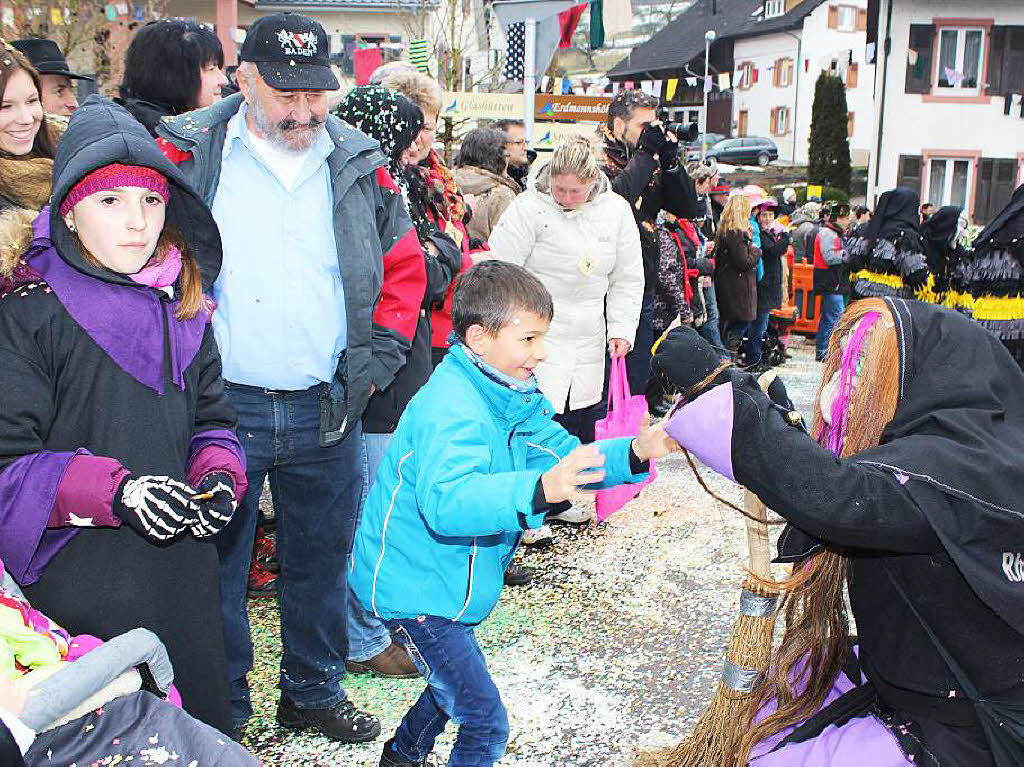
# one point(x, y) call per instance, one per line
point(476, 460)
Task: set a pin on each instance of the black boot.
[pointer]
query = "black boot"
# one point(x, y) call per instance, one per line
point(391, 758)
point(342, 723)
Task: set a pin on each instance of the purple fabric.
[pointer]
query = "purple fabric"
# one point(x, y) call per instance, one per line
point(28, 489)
point(102, 310)
point(704, 427)
point(85, 496)
point(202, 460)
point(861, 741)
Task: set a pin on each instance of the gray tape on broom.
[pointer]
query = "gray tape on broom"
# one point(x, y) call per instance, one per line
point(755, 606)
point(740, 679)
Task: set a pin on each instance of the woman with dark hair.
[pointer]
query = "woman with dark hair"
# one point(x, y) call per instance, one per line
point(941, 235)
point(27, 141)
point(481, 170)
point(172, 66)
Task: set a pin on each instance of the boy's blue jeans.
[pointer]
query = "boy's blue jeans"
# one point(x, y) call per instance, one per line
point(459, 689)
point(832, 307)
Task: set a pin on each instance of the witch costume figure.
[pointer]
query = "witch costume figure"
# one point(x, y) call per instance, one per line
point(990, 278)
point(942, 234)
point(909, 495)
point(118, 458)
point(889, 260)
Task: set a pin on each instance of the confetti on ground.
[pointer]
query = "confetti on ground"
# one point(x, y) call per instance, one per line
point(615, 645)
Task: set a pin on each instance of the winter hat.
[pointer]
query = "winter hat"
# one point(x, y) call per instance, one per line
point(112, 176)
point(699, 170)
point(789, 194)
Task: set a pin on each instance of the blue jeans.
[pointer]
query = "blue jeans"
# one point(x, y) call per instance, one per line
point(316, 495)
point(459, 689)
point(832, 306)
point(755, 338)
point(638, 361)
point(709, 330)
point(367, 635)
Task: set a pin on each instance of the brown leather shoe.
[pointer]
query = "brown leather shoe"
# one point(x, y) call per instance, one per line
point(393, 663)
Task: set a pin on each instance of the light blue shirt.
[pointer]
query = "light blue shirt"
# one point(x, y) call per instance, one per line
point(280, 321)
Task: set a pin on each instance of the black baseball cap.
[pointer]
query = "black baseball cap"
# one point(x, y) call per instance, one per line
point(291, 52)
point(46, 58)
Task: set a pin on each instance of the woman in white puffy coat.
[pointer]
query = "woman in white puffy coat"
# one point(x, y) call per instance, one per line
point(580, 239)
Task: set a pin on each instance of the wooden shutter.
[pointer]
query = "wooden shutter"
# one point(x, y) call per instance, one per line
point(909, 172)
point(852, 72)
point(1005, 61)
point(996, 53)
point(862, 20)
point(919, 74)
point(776, 72)
point(773, 122)
point(833, 17)
point(996, 179)
point(850, 117)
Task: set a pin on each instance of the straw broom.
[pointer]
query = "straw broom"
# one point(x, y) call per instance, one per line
point(715, 737)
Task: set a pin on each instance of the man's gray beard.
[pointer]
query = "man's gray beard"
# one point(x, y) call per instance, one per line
point(279, 139)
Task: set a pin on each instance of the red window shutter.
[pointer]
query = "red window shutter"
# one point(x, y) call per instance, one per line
point(753, 77)
point(862, 20)
point(851, 76)
point(833, 17)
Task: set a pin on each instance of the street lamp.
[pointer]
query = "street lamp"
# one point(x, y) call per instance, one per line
point(709, 37)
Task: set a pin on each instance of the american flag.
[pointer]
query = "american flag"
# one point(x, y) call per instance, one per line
point(516, 51)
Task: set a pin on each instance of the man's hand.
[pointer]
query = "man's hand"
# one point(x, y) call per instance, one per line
point(653, 442)
point(618, 347)
point(580, 467)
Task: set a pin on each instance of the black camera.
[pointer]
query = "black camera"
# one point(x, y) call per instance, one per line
point(685, 132)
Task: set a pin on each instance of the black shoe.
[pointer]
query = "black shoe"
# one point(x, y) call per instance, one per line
point(391, 758)
point(518, 576)
point(342, 723)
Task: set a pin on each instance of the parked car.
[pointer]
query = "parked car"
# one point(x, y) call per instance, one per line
point(745, 151)
point(693, 147)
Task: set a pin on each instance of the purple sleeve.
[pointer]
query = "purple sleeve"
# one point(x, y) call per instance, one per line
point(28, 490)
point(217, 450)
point(704, 427)
point(85, 496)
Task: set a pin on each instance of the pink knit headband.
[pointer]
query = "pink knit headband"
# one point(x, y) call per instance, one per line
point(113, 176)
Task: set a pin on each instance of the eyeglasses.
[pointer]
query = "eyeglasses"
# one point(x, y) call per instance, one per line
point(517, 142)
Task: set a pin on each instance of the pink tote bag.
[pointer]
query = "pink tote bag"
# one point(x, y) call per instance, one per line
point(625, 412)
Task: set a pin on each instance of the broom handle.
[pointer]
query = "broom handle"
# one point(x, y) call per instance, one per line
point(758, 545)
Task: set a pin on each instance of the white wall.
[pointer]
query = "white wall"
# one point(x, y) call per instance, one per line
point(912, 124)
point(819, 42)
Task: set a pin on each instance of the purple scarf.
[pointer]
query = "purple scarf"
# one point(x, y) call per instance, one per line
point(101, 308)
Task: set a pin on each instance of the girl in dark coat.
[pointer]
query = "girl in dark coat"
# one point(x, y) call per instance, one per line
point(682, 262)
point(736, 259)
point(118, 458)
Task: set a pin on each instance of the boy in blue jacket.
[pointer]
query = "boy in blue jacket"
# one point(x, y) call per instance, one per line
point(476, 460)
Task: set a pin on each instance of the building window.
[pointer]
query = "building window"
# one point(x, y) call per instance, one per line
point(783, 74)
point(948, 181)
point(773, 8)
point(843, 18)
point(849, 124)
point(960, 52)
point(746, 75)
point(780, 121)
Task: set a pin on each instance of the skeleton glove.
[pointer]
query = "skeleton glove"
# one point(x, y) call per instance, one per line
point(214, 512)
point(158, 507)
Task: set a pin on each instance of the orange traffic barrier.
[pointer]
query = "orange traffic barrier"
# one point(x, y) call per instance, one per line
point(807, 303)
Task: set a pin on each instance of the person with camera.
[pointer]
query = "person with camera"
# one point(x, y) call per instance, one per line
point(641, 160)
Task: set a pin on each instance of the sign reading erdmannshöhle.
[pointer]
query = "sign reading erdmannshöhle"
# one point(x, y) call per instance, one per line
point(571, 107)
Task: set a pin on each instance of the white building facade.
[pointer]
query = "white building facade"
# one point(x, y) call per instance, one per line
point(950, 122)
point(775, 74)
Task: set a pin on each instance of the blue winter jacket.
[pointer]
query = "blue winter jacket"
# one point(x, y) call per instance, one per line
point(455, 492)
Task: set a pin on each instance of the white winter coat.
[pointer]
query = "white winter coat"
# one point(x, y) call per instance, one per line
point(589, 259)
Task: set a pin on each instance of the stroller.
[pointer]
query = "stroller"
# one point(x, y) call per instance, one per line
point(780, 321)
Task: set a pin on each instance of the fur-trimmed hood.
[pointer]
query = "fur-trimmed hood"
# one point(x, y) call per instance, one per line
point(15, 235)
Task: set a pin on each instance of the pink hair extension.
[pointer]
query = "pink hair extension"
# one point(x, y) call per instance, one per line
point(847, 372)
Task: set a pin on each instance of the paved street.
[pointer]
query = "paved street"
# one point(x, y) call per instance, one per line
point(617, 643)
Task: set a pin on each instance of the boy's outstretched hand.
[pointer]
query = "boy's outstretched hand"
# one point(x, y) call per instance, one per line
point(580, 467)
point(653, 442)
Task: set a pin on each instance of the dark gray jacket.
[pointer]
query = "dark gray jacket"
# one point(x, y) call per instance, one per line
point(382, 268)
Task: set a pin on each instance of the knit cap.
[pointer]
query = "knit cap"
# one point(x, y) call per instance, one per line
point(112, 176)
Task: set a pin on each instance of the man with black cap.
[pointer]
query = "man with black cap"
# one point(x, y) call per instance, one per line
point(317, 303)
point(58, 94)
